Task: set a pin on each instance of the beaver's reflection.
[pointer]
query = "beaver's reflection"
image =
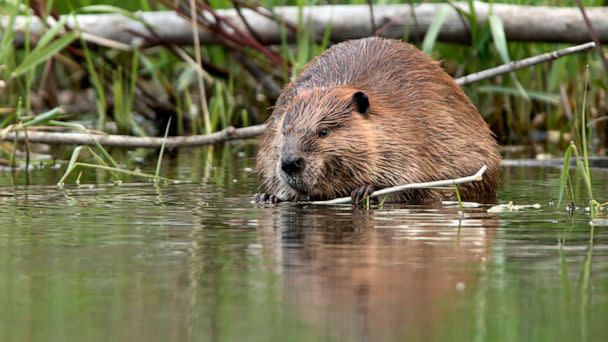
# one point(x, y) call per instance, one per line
point(379, 274)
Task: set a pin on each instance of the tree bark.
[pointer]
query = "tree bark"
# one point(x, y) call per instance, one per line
point(522, 23)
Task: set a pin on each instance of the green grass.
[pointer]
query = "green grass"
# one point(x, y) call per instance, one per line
point(583, 170)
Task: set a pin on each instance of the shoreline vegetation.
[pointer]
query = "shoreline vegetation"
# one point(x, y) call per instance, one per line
point(231, 133)
point(108, 73)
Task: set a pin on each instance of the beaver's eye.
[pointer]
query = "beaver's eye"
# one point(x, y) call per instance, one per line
point(323, 132)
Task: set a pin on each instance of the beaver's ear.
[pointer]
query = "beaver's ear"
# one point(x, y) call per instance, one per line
point(362, 102)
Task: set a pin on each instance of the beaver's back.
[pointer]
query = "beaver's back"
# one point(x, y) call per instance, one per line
point(424, 127)
point(364, 61)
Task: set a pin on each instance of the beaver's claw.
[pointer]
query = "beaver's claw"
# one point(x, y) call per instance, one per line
point(361, 193)
point(265, 198)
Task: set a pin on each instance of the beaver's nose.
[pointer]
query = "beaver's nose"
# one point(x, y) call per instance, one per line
point(292, 164)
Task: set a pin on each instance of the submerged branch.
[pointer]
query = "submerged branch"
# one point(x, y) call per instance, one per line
point(426, 185)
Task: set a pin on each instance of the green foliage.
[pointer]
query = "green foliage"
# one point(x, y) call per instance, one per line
point(500, 42)
point(428, 44)
point(583, 170)
point(43, 52)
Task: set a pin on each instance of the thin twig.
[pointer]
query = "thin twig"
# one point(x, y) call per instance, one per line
point(426, 185)
point(181, 53)
point(197, 55)
point(102, 41)
point(593, 34)
point(516, 65)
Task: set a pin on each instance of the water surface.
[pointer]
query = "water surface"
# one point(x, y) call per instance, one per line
point(198, 262)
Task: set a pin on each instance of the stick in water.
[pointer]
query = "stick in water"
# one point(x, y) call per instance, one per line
point(426, 185)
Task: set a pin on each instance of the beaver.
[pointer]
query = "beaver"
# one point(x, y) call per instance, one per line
point(368, 114)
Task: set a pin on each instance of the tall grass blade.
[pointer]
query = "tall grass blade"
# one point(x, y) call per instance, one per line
point(580, 168)
point(473, 22)
point(584, 125)
point(133, 80)
point(51, 33)
point(39, 55)
point(326, 36)
point(500, 43)
point(71, 165)
point(428, 44)
point(80, 127)
point(458, 198)
point(564, 177)
point(8, 35)
point(44, 118)
point(162, 149)
point(6, 121)
point(100, 101)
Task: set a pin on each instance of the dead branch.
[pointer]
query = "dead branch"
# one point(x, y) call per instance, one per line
point(516, 65)
point(478, 176)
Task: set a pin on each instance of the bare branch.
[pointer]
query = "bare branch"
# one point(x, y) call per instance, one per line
point(426, 185)
point(516, 65)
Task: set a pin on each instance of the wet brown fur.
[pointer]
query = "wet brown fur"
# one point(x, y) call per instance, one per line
point(420, 127)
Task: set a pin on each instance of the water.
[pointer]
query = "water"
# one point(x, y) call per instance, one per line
point(199, 262)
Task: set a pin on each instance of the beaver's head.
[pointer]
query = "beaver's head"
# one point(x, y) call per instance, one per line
point(325, 143)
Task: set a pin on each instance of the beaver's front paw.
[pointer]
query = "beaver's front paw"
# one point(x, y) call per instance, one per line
point(265, 198)
point(361, 193)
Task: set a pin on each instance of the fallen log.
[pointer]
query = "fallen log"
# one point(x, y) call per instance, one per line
point(522, 23)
